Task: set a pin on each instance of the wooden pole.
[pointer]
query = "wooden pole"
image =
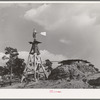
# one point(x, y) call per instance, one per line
point(11, 75)
point(35, 67)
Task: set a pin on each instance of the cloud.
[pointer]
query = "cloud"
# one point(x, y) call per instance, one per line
point(23, 55)
point(2, 62)
point(76, 22)
point(52, 16)
point(53, 57)
point(64, 41)
point(35, 12)
point(4, 5)
point(44, 15)
point(44, 54)
point(83, 20)
point(21, 5)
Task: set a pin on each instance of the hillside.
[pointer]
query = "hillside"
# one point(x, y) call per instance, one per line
point(73, 69)
point(70, 74)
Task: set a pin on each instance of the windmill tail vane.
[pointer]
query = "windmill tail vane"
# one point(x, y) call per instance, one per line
point(41, 33)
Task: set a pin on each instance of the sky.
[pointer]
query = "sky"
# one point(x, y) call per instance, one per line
point(73, 29)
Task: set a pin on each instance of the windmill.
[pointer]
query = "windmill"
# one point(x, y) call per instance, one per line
point(34, 64)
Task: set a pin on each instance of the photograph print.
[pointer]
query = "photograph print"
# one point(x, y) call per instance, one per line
point(49, 45)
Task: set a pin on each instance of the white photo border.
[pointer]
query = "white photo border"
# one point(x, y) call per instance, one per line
point(45, 93)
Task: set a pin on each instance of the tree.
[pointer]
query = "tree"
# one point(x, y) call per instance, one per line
point(19, 66)
point(48, 65)
point(15, 65)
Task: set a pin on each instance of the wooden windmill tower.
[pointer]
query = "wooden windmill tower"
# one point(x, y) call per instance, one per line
point(34, 62)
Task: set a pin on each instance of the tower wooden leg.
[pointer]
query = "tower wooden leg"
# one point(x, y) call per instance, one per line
point(35, 76)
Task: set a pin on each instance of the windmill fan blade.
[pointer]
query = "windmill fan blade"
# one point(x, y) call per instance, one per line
point(43, 33)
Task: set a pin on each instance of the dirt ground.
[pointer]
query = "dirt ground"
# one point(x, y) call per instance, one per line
point(50, 84)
